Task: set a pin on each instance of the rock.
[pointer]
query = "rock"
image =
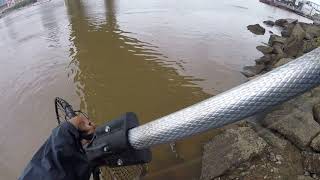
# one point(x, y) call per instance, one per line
point(311, 162)
point(279, 57)
point(314, 176)
point(308, 36)
point(250, 71)
point(282, 61)
point(309, 45)
point(294, 44)
point(283, 164)
point(230, 149)
point(265, 49)
point(267, 58)
point(315, 144)
point(276, 39)
point(315, 96)
point(292, 21)
point(271, 138)
point(316, 112)
point(278, 48)
point(294, 123)
point(287, 31)
point(311, 29)
point(281, 22)
point(272, 157)
point(302, 177)
point(298, 32)
point(279, 157)
point(285, 22)
point(306, 173)
point(256, 29)
point(268, 22)
point(275, 141)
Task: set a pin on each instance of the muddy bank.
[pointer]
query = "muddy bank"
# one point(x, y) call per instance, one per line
point(283, 143)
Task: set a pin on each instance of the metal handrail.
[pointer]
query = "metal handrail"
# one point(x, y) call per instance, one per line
point(268, 90)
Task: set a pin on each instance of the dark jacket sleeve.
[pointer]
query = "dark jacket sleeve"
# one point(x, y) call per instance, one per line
point(61, 157)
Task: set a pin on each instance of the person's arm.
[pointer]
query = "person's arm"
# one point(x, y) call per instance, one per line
point(61, 157)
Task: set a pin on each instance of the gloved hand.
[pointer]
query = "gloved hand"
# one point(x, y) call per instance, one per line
point(84, 126)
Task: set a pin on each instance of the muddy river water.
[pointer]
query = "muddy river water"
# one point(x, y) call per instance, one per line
point(108, 57)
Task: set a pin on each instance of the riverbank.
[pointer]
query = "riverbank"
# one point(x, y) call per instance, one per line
point(280, 144)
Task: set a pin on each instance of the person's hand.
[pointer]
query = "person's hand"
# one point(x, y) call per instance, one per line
point(83, 124)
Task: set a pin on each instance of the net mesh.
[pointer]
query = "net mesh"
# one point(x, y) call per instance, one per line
point(107, 173)
point(124, 173)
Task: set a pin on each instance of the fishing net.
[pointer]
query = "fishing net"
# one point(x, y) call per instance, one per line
point(123, 173)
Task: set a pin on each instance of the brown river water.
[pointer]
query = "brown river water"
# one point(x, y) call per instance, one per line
point(107, 57)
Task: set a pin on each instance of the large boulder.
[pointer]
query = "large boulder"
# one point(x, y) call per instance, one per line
point(311, 29)
point(308, 36)
point(278, 50)
point(279, 160)
point(250, 71)
point(276, 39)
point(298, 32)
point(269, 23)
point(272, 139)
point(256, 29)
point(293, 120)
point(230, 149)
point(281, 62)
point(281, 22)
point(294, 44)
point(316, 112)
point(266, 59)
point(315, 144)
point(265, 49)
point(287, 31)
point(311, 162)
point(285, 22)
point(315, 97)
point(309, 45)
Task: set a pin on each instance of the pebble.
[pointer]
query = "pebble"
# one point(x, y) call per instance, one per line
point(272, 157)
point(244, 173)
point(279, 157)
point(306, 173)
point(279, 162)
point(314, 176)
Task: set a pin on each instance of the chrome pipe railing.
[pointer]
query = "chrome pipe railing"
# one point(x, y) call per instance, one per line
point(243, 101)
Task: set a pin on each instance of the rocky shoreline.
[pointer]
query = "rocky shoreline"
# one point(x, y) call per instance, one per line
point(280, 144)
point(296, 39)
